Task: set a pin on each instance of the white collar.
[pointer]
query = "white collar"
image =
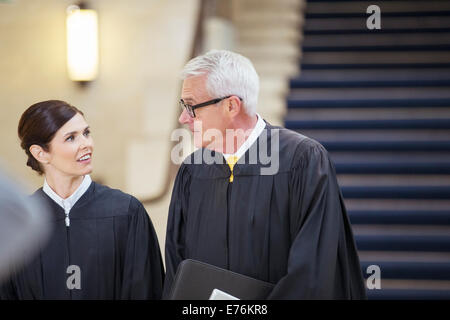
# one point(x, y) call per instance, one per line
point(68, 203)
point(256, 132)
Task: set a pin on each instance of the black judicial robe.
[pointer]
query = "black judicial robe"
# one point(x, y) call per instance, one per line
point(289, 228)
point(112, 241)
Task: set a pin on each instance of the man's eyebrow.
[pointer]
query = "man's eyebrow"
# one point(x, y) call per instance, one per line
point(188, 99)
point(73, 132)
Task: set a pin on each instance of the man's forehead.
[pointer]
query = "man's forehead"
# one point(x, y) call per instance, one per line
point(194, 87)
point(198, 80)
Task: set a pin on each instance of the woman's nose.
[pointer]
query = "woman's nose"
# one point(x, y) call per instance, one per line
point(87, 142)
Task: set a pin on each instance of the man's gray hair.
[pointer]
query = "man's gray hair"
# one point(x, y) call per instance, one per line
point(228, 73)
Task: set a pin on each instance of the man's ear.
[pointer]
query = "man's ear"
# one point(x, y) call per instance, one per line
point(40, 154)
point(234, 105)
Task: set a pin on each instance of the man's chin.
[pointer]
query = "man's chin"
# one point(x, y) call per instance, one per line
point(203, 144)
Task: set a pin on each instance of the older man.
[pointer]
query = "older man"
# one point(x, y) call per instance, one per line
point(268, 206)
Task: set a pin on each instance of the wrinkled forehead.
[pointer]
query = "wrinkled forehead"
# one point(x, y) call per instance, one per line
point(194, 88)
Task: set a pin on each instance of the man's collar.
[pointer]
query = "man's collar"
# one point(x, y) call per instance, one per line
point(256, 131)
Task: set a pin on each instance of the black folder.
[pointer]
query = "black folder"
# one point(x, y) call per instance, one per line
point(195, 280)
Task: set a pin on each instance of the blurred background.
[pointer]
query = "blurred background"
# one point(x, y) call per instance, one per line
point(377, 99)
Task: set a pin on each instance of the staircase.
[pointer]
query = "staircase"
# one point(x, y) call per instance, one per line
point(267, 32)
point(379, 101)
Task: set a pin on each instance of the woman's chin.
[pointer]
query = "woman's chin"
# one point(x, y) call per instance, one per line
point(87, 170)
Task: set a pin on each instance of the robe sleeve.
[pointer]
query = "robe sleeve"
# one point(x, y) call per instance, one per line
point(323, 261)
point(175, 235)
point(143, 272)
point(7, 291)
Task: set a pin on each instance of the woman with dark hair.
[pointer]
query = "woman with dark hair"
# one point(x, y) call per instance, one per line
point(103, 244)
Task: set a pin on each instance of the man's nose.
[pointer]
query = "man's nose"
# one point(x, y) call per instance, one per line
point(184, 118)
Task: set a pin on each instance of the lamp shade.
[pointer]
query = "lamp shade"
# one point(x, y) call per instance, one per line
point(82, 44)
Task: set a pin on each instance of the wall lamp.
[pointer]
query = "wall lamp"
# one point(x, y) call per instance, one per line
point(82, 43)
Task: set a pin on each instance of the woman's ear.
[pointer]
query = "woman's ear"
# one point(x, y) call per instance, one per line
point(39, 154)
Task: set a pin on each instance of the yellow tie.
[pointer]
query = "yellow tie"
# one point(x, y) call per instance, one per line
point(231, 162)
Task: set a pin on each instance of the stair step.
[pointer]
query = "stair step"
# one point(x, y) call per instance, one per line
point(407, 294)
point(335, 24)
point(276, 33)
point(402, 243)
point(414, 217)
point(374, 32)
point(393, 168)
point(381, 57)
point(415, 284)
point(367, 113)
point(370, 93)
point(369, 124)
point(301, 83)
point(396, 192)
point(394, 181)
point(398, 146)
point(299, 102)
point(377, 39)
point(266, 18)
point(391, 157)
point(405, 230)
point(364, 15)
point(378, 66)
point(376, 135)
point(410, 270)
point(397, 204)
point(248, 5)
point(390, 75)
point(385, 6)
point(404, 256)
point(377, 48)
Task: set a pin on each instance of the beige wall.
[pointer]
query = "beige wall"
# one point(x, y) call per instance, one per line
point(131, 107)
point(143, 45)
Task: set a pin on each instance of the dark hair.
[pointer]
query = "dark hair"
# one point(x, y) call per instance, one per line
point(38, 126)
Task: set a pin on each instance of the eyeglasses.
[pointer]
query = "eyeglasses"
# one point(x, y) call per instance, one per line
point(190, 109)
